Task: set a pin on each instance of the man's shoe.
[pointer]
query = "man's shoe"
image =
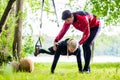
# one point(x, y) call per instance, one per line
point(80, 71)
point(86, 71)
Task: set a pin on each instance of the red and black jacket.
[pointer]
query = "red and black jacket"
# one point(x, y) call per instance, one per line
point(83, 22)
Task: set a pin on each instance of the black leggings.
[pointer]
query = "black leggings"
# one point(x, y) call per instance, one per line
point(87, 47)
point(50, 52)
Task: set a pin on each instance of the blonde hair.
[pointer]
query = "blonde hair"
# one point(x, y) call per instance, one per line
point(72, 43)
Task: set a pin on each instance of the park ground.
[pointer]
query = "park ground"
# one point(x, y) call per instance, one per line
point(65, 71)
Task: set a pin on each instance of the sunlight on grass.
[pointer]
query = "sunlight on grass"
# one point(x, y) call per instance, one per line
point(65, 71)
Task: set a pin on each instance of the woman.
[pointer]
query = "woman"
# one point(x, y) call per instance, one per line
point(67, 47)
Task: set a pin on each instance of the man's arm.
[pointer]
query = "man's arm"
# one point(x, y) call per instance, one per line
point(86, 32)
point(85, 36)
point(62, 32)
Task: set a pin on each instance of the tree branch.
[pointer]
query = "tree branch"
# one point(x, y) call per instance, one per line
point(5, 15)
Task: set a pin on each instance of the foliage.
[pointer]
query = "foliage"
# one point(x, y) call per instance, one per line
point(28, 45)
point(109, 10)
point(5, 58)
point(3, 4)
point(36, 5)
point(6, 39)
point(65, 71)
point(75, 5)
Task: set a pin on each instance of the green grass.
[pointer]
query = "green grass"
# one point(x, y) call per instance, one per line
point(66, 71)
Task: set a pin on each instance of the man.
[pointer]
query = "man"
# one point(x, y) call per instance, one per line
point(85, 22)
point(67, 47)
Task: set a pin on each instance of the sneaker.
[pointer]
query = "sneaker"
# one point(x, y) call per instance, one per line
point(86, 71)
point(36, 52)
point(81, 71)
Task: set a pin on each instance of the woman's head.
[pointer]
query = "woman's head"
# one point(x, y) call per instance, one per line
point(67, 16)
point(72, 45)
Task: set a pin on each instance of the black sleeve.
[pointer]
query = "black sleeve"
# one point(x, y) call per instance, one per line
point(78, 56)
point(56, 57)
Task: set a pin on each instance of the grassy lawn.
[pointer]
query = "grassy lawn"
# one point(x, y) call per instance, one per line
point(66, 71)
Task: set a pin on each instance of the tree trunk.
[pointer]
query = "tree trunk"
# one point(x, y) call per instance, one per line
point(17, 43)
point(5, 15)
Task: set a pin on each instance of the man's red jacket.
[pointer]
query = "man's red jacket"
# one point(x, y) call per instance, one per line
point(82, 23)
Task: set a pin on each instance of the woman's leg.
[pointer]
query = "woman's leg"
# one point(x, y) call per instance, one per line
point(50, 52)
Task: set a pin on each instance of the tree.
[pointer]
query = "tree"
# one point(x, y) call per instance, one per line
point(5, 15)
point(17, 43)
point(108, 10)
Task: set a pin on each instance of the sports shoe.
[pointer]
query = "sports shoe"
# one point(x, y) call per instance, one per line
point(36, 52)
point(86, 70)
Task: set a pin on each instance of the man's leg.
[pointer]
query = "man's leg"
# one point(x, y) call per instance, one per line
point(87, 56)
point(87, 48)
